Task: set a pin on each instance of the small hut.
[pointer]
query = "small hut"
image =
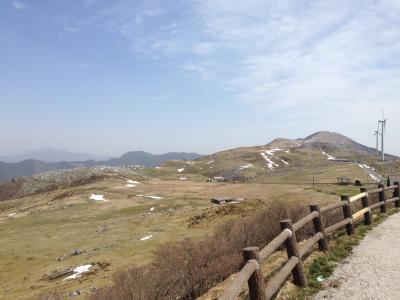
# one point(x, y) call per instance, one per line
point(344, 180)
point(221, 200)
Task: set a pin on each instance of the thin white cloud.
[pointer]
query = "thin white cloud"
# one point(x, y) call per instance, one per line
point(157, 97)
point(82, 66)
point(19, 5)
point(299, 59)
point(272, 54)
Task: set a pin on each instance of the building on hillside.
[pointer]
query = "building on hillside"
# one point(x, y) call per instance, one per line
point(343, 180)
point(221, 200)
point(219, 179)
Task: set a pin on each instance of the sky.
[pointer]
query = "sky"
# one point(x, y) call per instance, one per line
point(107, 77)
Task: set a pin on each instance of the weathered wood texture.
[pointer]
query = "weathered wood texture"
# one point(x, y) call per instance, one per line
point(365, 204)
point(357, 197)
point(389, 188)
point(392, 200)
point(360, 213)
point(292, 249)
point(347, 214)
point(275, 244)
point(332, 207)
point(276, 282)
point(319, 227)
point(303, 221)
point(251, 272)
point(382, 198)
point(241, 277)
point(376, 205)
point(308, 244)
point(375, 191)
point(331, 229)
point(396, 193)
point(256, 280)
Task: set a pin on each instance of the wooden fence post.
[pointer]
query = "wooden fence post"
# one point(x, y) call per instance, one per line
point(396, 193)
point(292, 249)
point(382, 198)
point(319, 227)
point(256, 280)
point(365, 203)
point(347, 214)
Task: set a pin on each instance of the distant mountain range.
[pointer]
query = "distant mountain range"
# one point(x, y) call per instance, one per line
point(28, 167)
point(48, 154)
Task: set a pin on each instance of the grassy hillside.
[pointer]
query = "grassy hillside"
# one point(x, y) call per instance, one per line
point(51, 217)
point(50, 225)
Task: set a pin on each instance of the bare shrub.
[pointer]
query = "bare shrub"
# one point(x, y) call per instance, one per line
point(187, 269)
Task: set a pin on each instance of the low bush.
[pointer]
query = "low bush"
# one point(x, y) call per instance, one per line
point(188, 268)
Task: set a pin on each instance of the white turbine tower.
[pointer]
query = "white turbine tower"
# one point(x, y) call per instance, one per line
point(383, 128)
point(377, 141)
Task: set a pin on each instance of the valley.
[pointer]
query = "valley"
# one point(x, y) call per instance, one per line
point(102, 219)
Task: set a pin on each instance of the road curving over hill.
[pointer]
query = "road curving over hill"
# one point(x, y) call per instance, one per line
point(372, 271)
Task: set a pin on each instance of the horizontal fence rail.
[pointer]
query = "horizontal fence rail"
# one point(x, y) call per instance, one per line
point(251, 271)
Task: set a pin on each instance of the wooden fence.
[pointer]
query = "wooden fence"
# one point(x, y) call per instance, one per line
point(251, 271)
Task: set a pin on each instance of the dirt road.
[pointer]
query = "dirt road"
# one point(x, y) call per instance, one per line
point(372, 271)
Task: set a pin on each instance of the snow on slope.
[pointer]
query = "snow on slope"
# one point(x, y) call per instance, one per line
point(371, 172)
point(269, 154)
point(330, 157)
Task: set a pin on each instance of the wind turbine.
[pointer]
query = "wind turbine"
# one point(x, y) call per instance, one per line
point(377, 141)
point(383, 128)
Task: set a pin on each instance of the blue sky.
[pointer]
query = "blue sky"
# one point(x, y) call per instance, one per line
point(110, 76)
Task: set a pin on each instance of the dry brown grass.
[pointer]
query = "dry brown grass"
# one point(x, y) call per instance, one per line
point(187, 269)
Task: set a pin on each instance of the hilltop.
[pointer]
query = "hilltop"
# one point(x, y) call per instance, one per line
point(288, 160)
point(322, 156)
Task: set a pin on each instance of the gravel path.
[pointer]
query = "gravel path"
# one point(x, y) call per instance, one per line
point(372, 271)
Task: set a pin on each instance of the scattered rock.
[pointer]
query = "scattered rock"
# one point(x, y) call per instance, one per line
point(73, 253)
point(77, 252)
point(102, 228)
point(75, 293)
point(57, 274)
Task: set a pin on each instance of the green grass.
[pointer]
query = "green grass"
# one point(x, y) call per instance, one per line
point(324, 263)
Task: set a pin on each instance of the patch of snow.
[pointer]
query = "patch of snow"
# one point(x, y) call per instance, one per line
point(78, 271)
point(12, 215)
point(146, 237)
point(284, 161)
point(330, 157)
point(97, 197)
point(371, 172)
point(153, 208)
point(270, 163)
point(183, 178)
point(190, 162)
point(269, 154)
point(151, 197)
point(157, 168)
point(130, 185)
point(132, 181)
point(246, 166)
point(210, 162)
point(272, 151)
point(181, 170)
